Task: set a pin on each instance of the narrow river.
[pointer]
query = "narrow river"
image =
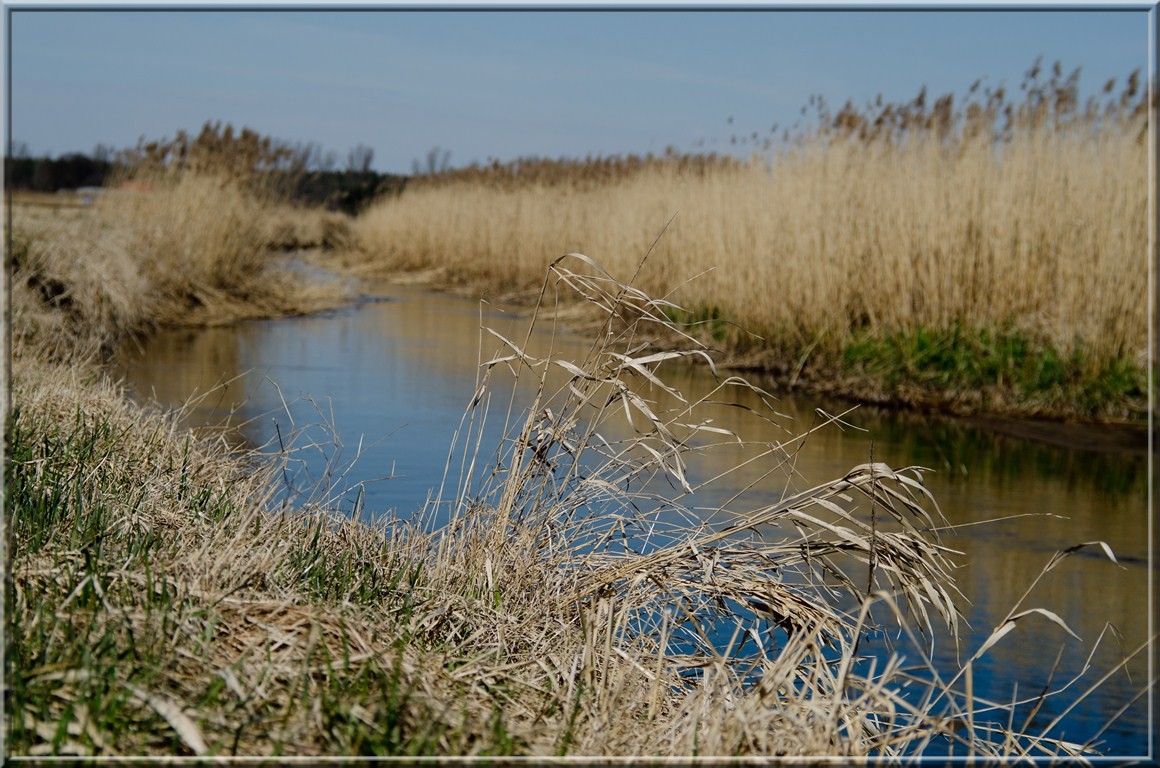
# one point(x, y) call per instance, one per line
point(386, 383)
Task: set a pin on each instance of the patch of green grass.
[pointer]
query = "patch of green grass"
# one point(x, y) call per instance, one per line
point(367, 709)
point(105, 638)
point(958, 358)
point(502, 744)
point(370, 573)
point(73, 658)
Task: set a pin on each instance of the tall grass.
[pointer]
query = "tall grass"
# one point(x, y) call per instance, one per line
point(177, 248)
point(1022, 223)
point(163, 599)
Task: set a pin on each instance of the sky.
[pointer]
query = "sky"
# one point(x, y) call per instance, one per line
point(488, 84)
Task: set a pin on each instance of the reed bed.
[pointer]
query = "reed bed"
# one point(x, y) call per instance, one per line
point(188, 248)
point(976, 256)
point(560, 595)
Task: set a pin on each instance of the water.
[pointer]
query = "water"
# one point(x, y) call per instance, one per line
point(392, 378)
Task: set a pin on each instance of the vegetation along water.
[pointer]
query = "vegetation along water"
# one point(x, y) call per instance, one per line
point(590, 577)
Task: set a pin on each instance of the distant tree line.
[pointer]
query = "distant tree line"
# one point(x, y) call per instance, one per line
point(45, 174)
point(299, 173)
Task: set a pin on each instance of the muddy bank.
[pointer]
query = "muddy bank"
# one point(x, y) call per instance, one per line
point(994, 408)
point(1105, 438)
point(1087, 435)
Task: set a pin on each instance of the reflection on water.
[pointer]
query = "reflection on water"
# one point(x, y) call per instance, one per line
point(392, 378)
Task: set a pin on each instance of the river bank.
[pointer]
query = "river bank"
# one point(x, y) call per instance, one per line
point(1065, 431)
point(160, 603)
point(162, 600)
point(990, 406)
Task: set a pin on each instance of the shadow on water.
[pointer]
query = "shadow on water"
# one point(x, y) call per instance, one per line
point(387, 382)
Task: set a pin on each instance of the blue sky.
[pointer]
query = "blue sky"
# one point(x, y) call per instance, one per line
point(509, 83)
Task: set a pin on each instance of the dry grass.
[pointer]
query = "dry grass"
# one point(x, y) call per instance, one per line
point(898, 240)
point(65, 199)
point(193, 249)
point(75, 289)
point(187, 232)
point(871, 230)
point(562, 595)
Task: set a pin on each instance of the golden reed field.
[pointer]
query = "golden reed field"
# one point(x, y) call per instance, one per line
point(996, 246)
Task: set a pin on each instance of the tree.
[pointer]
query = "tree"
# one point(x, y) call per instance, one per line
point(358, 160)
point(325, 161)
point(438, 161)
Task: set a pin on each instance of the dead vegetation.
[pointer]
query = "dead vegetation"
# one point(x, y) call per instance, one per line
point(184, 249)
point(967, 253)
point(565, 593)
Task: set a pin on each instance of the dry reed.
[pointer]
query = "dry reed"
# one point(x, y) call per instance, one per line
point(1018, 222)
point(192, 249)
